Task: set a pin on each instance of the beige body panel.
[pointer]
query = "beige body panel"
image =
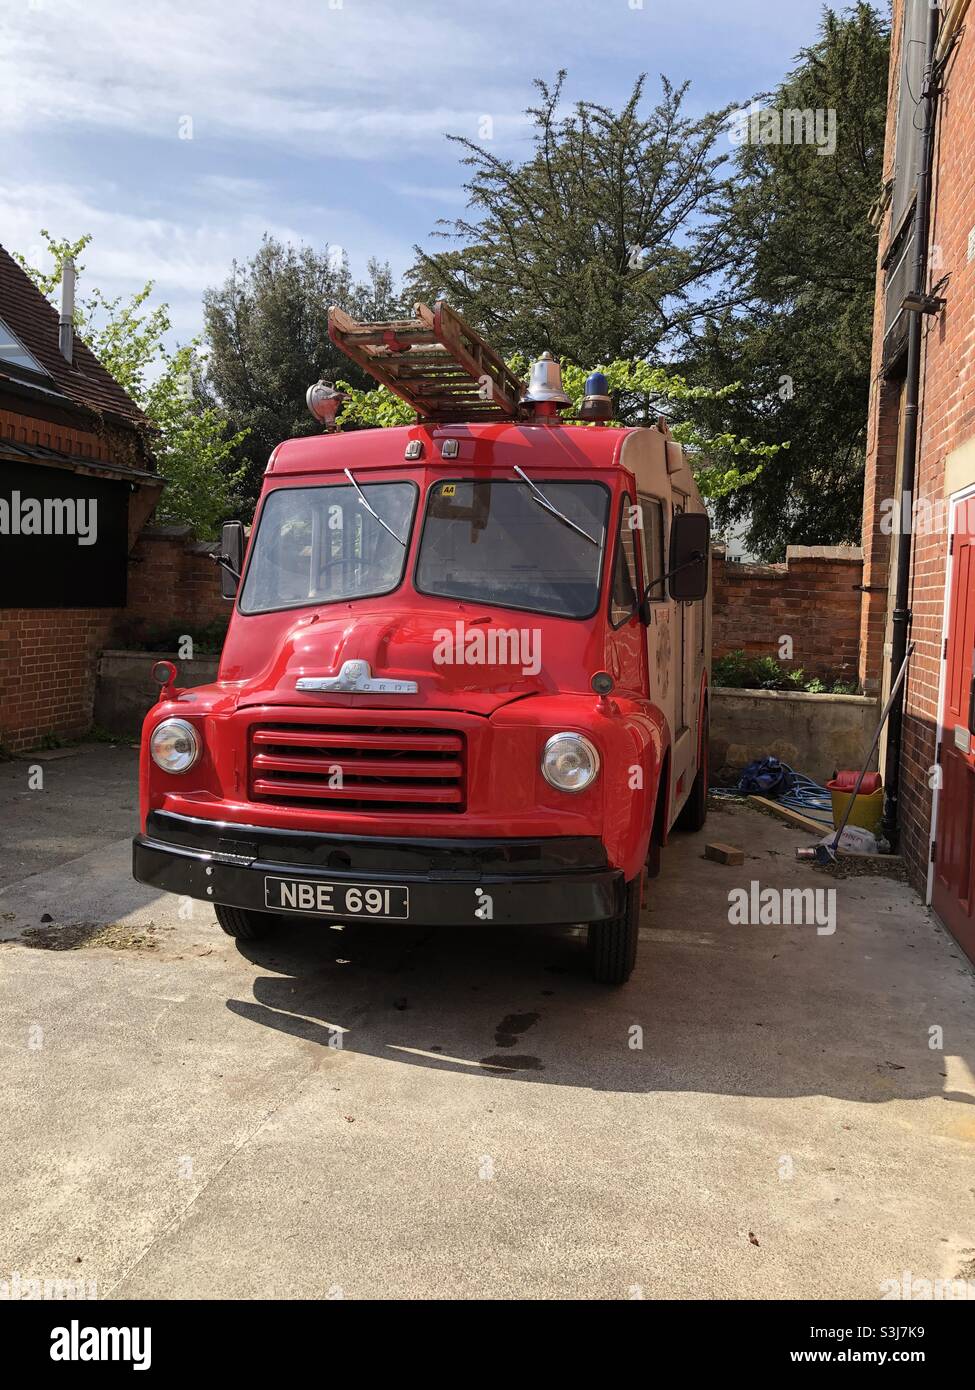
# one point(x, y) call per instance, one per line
point(679, 635)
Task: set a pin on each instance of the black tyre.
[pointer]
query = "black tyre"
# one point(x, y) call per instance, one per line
point(244, 924)
point(656, 836)
point(612, 944)
point(694, 812)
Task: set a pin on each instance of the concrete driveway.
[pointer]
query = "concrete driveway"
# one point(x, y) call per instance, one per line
point(429, 1114)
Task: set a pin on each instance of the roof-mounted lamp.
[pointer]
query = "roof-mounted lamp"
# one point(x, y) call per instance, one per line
point(597, 403)
point(325, 402)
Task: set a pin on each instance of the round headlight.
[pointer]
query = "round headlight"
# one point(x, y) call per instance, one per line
point(174, 745)
point(569, 762)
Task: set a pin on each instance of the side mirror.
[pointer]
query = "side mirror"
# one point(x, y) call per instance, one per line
point(690, 551)
point(232, 548)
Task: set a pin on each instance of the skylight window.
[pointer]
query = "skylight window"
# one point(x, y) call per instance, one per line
point(14, 354)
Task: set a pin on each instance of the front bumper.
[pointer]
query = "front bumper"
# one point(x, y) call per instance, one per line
point(555, 881)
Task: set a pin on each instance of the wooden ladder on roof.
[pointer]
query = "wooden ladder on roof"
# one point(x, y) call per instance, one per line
point(434, 361)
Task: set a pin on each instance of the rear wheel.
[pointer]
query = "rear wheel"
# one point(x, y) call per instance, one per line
point(243, 924)
point(612, 944)
point(695, 809)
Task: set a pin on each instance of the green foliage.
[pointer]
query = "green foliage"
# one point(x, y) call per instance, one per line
point(267, 336)
point(739, 671)
point(373, 409)
point(196, 451)
point(194, 448)
point(721, 461)
point(799, 289)
point(601, 244)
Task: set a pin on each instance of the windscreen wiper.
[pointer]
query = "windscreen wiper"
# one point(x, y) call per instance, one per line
point(371, 510)
point(551, 508)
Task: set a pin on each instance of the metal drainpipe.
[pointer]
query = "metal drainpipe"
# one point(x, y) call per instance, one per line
point(901, 620)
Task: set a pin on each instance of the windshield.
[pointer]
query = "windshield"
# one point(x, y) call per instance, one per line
point(322, 544)
point(490, 540)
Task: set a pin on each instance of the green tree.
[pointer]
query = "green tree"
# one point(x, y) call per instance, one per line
point(601, 245)
point(193, 446)
point(801, 283)
point(196, 449)
point(267, 335)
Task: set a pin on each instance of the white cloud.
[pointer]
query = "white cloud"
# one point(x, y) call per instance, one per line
point(229, 186)
point(296, 74)
point(182, 258)
point(453, 195)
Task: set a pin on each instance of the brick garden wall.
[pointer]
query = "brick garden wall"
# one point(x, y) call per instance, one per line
point(814, 598)
point(48, 659)
point(49, 656)
point(173, 583)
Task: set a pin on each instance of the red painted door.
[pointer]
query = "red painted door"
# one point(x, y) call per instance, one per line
point(953, 897)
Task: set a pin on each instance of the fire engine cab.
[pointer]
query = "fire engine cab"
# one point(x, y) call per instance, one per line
point(465, 678)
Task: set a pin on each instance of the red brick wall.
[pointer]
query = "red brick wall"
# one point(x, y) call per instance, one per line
point(64, 439)
point(49, 656)
point(947, 420)
point(814, 598)
point(48, 659)
point(172, 583)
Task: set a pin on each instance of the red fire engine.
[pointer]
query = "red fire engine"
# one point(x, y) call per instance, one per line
point(466, 673)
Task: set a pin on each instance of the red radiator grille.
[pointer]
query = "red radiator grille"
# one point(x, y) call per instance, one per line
point(358, 767)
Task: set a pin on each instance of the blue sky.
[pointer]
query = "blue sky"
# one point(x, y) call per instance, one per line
point(317, 120)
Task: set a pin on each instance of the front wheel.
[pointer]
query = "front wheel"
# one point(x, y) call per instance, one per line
point(612, 944)
point(694, 812)
point(245, 925)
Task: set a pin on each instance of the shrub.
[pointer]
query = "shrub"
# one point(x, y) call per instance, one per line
point(739, 671)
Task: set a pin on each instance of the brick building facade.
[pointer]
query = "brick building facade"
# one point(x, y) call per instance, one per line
point(67, 429)
point(935, 829)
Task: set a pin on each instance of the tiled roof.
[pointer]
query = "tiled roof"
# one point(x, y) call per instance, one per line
point(35, 322)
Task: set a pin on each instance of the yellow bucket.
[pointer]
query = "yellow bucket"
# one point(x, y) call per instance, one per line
point(868, 811)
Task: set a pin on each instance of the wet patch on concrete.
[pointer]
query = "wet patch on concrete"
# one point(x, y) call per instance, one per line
point(74, 936)
point(512, 1026)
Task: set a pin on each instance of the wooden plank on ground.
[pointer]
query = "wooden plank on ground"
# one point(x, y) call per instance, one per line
point(786, 813)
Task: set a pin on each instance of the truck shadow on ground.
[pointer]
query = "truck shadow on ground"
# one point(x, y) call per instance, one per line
point(703, 1012)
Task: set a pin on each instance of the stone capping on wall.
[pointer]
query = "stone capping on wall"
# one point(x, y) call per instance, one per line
point(179, 531)
point(802, 552)
point(817, 696)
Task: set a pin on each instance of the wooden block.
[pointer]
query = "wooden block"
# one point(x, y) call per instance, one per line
point(724, 854)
